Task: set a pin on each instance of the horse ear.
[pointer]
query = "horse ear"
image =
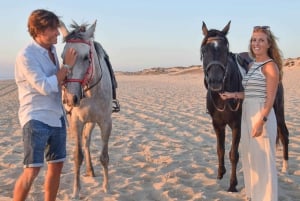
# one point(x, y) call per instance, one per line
point(91, 30)
point(63, 29)
point(226, 28)
point(204, 29)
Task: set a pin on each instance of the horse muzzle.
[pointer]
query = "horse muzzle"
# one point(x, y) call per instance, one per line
point(71, 100)
point(215, 74)
point(214, 84)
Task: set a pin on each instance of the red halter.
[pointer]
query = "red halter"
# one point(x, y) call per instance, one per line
point(90, 71)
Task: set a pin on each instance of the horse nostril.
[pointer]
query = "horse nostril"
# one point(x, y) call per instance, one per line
point(75, 100)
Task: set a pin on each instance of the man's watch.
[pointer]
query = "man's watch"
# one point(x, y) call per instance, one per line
point(67, 66)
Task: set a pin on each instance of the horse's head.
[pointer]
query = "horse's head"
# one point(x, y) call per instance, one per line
point(214, 54)
point(82, 72)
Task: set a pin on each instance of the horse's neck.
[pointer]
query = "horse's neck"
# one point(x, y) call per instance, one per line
point(243, 60)
point(96, 72)
point(96, 62)
point(105, 65)
point(102, 74)
point(234, 78)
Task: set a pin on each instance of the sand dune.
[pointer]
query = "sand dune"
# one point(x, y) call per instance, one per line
point(162, 146)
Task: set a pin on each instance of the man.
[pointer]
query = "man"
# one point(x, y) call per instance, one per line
point(39, 78)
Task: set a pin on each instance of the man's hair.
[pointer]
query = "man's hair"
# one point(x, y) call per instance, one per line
point(39, 20)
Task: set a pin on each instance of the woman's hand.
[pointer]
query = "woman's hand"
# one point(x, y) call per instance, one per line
point(226, 95)
point(257, 128)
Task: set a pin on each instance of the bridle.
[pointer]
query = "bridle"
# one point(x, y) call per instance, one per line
point(215, 62)
point(89, 74)
point(85, 81)
point(225, 70)
point(223, 67)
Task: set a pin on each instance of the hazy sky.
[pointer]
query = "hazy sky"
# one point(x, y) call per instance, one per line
point(140, 34)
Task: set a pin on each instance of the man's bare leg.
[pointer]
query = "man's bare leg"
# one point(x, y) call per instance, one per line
point(52, 180)
point(23, 184)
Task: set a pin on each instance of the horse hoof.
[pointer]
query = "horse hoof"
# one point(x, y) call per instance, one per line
point(232, 189)
point(221, 172)
point(89, 174)
point(106, 188)
point(284, 170)
point(285, 166)
point(75, 197)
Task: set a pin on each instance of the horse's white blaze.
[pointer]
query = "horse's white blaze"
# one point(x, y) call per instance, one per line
point(216, 44)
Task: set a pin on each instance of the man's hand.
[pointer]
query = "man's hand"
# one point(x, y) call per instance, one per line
point(70, 57)
point(69, 61)
point(61, 75)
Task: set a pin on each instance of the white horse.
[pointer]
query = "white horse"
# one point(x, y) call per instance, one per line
point(87, 98)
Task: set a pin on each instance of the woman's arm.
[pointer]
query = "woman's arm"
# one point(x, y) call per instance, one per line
point(271, 72)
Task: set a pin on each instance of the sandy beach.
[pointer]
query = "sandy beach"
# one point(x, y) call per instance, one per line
point(162, 146)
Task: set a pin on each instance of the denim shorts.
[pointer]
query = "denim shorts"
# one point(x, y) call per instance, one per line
point(43, 141)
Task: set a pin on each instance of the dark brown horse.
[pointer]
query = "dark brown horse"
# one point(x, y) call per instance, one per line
point(223, 72)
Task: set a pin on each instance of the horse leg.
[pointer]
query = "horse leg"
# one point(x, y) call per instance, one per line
point(283, 135)
point(78, 157)
point(220, 134)
point(104, 157)
point(234, 158)
point(86, 141)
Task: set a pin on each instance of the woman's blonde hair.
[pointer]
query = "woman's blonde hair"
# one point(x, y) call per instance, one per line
point(273, 52)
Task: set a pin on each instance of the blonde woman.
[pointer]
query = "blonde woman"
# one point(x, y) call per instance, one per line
point(259, 126)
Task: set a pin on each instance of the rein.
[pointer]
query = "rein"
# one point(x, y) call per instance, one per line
point(226, 103)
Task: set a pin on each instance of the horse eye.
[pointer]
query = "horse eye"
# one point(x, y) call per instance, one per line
point(86, 58)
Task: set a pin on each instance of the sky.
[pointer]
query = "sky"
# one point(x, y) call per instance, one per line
point(140, 34)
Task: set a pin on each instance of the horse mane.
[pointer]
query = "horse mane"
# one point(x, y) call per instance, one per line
point(78, 31)
point(99, 49)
